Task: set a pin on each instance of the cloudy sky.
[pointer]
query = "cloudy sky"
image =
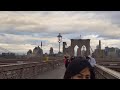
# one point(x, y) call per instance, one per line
point(23, 30)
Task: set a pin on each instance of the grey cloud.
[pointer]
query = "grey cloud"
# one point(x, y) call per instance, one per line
point(48, 24)
point(109, 37)
point(112, 16)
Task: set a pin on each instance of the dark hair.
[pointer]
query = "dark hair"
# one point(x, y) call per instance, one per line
point(75, 67)
point(72, 58)
point(87, 57)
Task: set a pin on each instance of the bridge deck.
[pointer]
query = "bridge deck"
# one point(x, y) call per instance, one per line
point(57, 73)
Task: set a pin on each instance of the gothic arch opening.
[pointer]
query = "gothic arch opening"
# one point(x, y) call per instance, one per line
point(75, 50)
point(76, 45)
point(83, 50)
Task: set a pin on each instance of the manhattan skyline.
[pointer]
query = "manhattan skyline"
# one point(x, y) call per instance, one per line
point(24, 30)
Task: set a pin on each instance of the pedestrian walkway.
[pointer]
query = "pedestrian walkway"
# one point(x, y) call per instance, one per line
point(57, 73)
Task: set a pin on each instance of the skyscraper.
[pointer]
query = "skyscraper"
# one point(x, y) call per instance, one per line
point(100, 44)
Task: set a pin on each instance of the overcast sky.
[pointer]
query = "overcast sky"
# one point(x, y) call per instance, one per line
point(21, 31)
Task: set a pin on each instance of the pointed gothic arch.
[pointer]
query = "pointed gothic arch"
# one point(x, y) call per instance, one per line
point(79, 43)
point(76, 50)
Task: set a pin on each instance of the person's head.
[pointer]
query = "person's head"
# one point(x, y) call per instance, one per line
point(87, 58)
point(65, 56)
point(72, 58)
point(78, 69)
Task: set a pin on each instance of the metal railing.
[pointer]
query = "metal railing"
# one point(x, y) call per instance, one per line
point(102, 72)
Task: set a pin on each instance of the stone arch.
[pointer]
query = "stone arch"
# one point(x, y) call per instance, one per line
point(80, 43)
point(83, 50)
point(76, 50)
point(79, 52)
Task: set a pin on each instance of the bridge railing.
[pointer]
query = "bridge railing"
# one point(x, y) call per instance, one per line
point(27, 70)
point(102, 72)
point(107, 59)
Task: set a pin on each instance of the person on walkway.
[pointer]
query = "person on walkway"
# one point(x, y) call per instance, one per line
point(78, 69)
point(46, 58)
point(72, 58)
point(66, 61)
point(87, 58)
point(92, 61)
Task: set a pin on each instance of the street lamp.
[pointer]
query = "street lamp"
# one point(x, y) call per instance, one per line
point(59, 40)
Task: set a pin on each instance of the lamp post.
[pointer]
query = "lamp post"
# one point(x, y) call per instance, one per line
point(59, 40)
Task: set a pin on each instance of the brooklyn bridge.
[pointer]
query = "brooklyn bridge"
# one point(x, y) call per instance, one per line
point(44, 66)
